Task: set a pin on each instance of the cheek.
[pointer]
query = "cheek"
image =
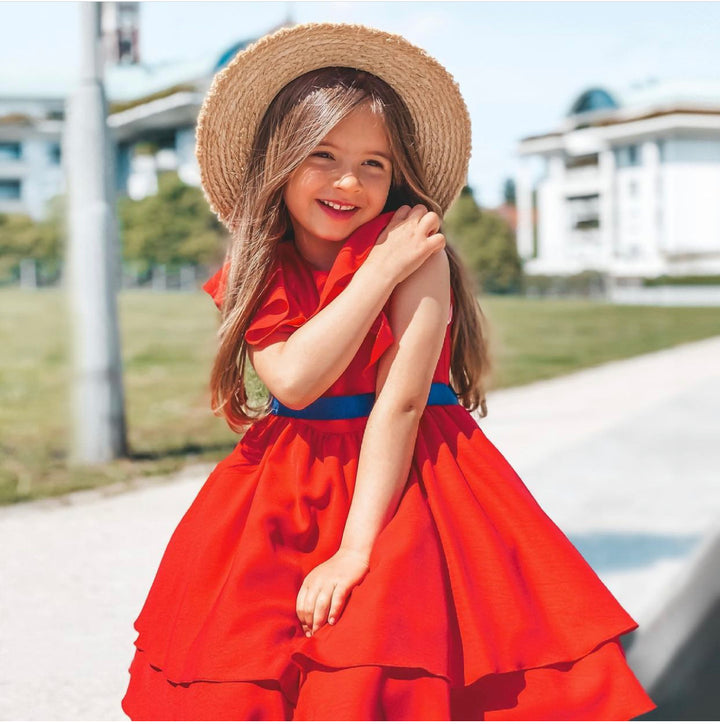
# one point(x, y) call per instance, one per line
point(292, 195)
point(383, 192)
point(301, 186)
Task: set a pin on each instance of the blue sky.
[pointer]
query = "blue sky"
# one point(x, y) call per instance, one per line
point(519, 64)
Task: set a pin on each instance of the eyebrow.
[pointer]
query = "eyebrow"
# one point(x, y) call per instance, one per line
point(371, 153)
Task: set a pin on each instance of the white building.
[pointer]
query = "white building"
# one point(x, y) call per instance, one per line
point(631, 184)
point(152, 116)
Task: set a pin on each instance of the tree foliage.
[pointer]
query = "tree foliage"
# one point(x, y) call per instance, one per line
point(21, 237)
point(486, 243)
point(173, 227)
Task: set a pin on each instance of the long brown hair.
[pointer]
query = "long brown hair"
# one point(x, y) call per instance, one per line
point(296, 121)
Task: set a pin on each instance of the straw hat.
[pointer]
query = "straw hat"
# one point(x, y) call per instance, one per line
point(242, 91)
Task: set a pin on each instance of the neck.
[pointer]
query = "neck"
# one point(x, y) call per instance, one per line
point(318, 254)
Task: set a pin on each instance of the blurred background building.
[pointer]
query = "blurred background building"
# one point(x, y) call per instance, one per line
point(152, 114)
point(631, 184)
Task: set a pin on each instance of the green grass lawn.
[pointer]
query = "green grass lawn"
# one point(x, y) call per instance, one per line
point(536, 339)
point(168, 346)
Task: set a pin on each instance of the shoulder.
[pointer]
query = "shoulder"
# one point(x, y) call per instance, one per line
point(432, 278)
point(423, 298)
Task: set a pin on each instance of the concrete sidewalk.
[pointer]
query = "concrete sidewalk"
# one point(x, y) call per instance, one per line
point(623, 457)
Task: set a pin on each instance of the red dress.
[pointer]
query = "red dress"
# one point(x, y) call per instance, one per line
point(475, 606)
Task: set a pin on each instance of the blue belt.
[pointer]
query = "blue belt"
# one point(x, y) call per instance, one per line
point(345, 407)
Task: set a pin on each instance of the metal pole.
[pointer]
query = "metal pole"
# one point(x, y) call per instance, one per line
point(92, 261)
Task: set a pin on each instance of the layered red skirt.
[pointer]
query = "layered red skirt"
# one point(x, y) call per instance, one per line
point(475, 606)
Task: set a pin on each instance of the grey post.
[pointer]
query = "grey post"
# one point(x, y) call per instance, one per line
point(92, 261)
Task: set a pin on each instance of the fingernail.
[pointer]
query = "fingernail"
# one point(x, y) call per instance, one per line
point(331, 620)
point(307, 633)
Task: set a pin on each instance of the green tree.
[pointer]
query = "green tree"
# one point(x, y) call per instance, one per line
point(21, 237)
point(173, 227)
point(486, 243)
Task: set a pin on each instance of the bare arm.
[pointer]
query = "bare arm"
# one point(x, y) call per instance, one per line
point(420, 307)
point(297, 370)
point(418, 316)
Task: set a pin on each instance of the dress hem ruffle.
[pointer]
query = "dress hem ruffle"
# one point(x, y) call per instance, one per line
point(288, 679)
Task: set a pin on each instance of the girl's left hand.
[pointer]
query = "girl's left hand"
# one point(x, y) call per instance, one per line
point(325, 589)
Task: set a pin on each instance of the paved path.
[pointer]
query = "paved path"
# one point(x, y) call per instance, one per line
point(624, 457)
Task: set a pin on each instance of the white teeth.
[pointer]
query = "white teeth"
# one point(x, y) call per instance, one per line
point(336, 206)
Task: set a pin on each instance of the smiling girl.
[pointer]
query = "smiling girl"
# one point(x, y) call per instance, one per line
point(365, 552)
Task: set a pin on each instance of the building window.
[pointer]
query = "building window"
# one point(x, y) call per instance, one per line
point(9, 189)
point(584, 212)
point(590, 159)
point(166, 140)
point(10, 151)
point(54, 153)
point(627, 156)
point(661, 150)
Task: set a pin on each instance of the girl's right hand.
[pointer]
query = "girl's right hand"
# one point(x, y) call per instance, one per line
point(407, 241)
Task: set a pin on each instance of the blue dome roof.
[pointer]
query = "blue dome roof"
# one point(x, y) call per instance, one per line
point(650, 93)
point(593, 99)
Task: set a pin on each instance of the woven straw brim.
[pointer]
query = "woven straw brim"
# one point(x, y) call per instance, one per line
point(241, 93)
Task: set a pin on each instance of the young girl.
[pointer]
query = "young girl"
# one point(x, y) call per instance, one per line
point(364, 553)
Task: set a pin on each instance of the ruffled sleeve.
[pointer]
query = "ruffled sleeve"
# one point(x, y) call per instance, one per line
point(215, 285)
point(291, 296)
point(279, 313)
point(382, 338)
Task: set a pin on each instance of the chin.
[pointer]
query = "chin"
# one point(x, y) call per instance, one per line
point(339, 236)
point(336, 238)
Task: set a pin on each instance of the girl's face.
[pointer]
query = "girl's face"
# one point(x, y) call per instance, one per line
point(351, 169)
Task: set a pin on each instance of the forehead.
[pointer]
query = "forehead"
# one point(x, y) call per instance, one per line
point(361, 125)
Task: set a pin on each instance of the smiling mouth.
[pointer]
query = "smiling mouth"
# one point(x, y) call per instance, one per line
point(337, 207)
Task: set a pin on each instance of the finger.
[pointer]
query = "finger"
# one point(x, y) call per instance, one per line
point(299, 600)
point(337, 604)
point(308, 620)
point(301, 609)
point(419, 210)
point(430, 223)
point(402, 213)
point(310, 605)
point(398, 218)
point(435, 243)
point(322, 604)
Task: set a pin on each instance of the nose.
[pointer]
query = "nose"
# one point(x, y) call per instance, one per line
point(348, 182)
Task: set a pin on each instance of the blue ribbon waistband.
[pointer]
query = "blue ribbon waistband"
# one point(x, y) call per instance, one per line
point(345, 407)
